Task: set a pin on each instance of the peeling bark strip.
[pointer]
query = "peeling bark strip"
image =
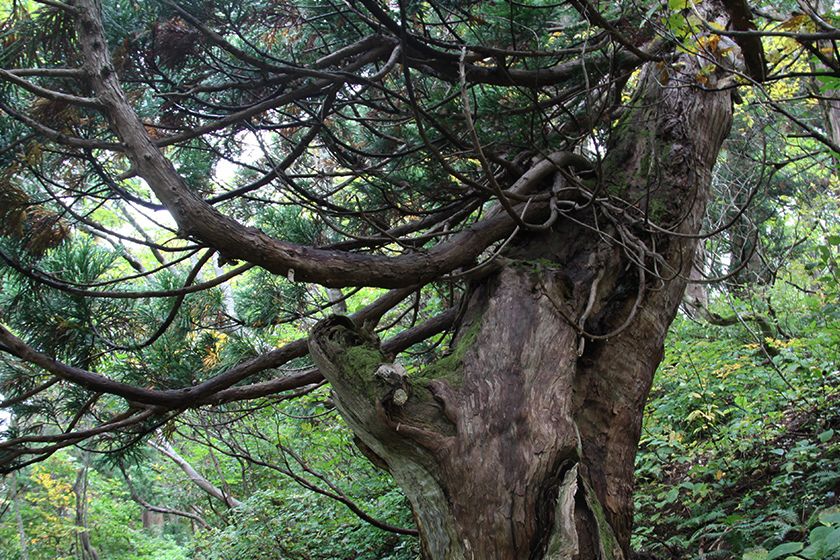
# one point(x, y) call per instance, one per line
point(520, 444)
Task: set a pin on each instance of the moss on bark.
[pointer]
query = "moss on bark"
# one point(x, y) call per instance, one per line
point(449, 367)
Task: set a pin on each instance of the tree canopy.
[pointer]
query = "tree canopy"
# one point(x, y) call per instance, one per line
point(188, 188)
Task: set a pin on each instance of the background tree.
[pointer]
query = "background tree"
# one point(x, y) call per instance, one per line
point(188, 186)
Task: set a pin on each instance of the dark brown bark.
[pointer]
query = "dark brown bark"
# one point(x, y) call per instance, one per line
point(752, 50)
point(521, 443)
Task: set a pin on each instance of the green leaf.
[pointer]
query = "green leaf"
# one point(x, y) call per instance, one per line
point(832, 540)
point(755, 554)
point(676, 23)
point(830, 517)
point(784, 548)
point(829, 83)
point(819, 534)
point(826, 435)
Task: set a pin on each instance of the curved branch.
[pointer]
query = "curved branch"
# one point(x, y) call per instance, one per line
point(188, 288)
point(48, 93)
point(203, 392)
point(195, 477)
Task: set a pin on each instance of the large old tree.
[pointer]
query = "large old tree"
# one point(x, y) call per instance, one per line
point(524, 183)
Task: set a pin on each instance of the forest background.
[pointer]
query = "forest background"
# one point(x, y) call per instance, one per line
point(741, 437)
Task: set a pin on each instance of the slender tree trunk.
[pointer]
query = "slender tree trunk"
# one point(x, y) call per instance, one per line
point(832, 105)
point(831, 102)
point(85, 547)
point(521, 443)
point(696, 297)
point(24, 549)
point(14, 491)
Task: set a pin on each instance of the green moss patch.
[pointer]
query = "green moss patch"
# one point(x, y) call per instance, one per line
point(449, 367)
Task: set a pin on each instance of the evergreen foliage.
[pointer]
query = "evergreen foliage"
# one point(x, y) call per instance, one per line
point(382, 157)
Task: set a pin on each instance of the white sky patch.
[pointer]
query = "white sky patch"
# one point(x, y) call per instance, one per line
point(224, 171)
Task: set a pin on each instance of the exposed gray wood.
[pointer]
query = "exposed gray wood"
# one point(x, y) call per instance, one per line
point(195, 477)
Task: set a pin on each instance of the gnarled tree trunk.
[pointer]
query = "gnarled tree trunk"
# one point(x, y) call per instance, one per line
point(521, 442)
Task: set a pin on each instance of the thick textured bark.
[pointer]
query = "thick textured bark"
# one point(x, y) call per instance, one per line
point(521, 443)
